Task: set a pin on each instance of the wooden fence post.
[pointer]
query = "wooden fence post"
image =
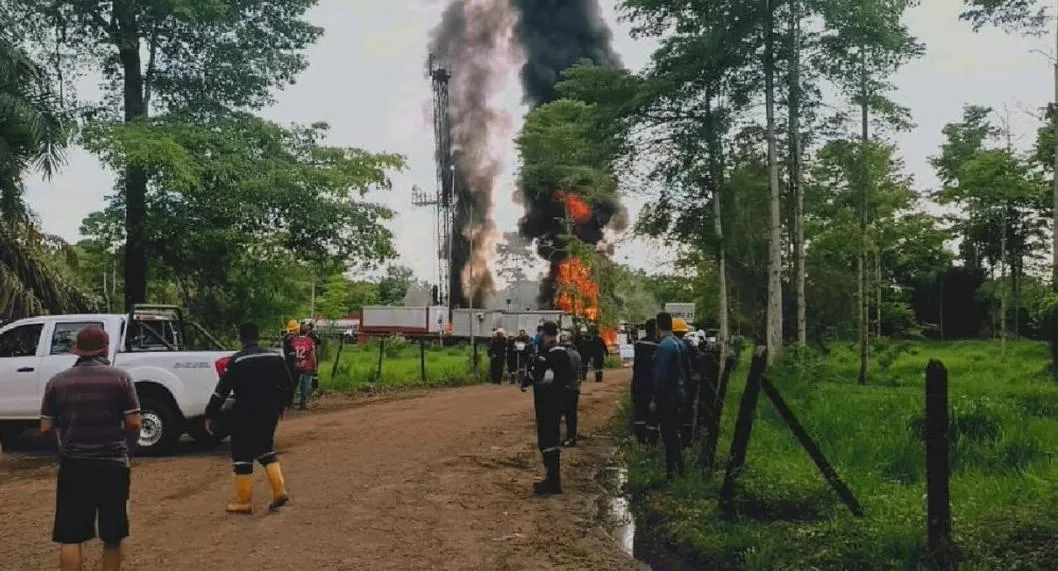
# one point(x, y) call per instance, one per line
point(743, 429)
point(381, 350)
point(811, 447)
point(938, 502)
point(422, 358)
point(713, 438)
point(338, 357)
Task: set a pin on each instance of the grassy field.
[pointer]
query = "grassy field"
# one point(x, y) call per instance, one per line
point(358, 366)
point(1004, 475)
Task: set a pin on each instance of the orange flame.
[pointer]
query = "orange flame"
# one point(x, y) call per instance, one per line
point(578, 209)
point(577, 292)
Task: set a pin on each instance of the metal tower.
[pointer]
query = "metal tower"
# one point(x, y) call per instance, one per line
point(443, 199)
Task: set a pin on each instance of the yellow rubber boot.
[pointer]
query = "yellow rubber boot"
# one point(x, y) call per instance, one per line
point(243, 503)
point(279, 487)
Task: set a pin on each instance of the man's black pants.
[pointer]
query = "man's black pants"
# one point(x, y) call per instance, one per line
point(645, 424)
point(253, 439)
point(547, 403)
point(496, 369)
point(570, 401)
point(670, 435)
point(90, 492)
point(597, 363)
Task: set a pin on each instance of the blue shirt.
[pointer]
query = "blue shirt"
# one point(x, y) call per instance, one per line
point(669, 366)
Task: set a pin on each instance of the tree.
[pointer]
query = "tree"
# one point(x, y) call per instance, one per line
point(33, 134)
point(263, 204)
point(865, 44)
point(206, 56)
point(394, 286)
point(999, 196)
point(342, 296)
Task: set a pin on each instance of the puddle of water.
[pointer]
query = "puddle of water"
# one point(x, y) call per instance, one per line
point(620, 510)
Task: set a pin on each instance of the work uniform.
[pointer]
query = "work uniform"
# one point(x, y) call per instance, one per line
point(693, 377)
point(646, 424)
point(497, 356)
point(261, 385)
point(595, 352)
point(572, 396)
point(670, 365)
point(290, 356)
point(552, 373)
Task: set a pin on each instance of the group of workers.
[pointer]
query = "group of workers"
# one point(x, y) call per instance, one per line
point(667, 370)
point(517, 353)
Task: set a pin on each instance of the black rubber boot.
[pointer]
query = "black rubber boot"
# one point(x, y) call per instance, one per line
point(552, 483)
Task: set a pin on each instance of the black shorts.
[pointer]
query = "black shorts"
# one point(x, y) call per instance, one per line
point(89, 491)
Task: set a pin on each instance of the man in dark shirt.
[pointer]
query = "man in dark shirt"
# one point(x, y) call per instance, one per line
point(552, 373)
point(670, 381)
point(262, 386)
point(95, 413)
point(646, 425)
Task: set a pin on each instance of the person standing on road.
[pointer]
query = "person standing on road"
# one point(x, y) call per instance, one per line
point(304, 364)
point(552, 373)
point(288, 348)
point(523, 345)
point(497, 356)
point(692, 379)
point(572, 392)
point(260, 383)
point(317, 341)
point(95, 412)
point(598, 352)
point(670, 365)
point(646, 425)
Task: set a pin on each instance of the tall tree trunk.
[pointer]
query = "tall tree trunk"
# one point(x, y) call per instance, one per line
point(862, 254)
point(1054, 192)
point(716, 179)
point(795, 171)
point(774, 316)
point(878, 290)
point(127, 41)
point(1003, 282)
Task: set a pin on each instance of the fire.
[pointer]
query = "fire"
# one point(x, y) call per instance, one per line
point(579, 210)
point(577, 292)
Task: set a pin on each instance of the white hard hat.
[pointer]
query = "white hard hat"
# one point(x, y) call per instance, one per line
point(564, 336)
point(499, 331)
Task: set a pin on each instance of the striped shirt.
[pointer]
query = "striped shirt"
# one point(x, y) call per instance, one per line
point(88, 404)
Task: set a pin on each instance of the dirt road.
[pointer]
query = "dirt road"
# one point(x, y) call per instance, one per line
point(434, 480)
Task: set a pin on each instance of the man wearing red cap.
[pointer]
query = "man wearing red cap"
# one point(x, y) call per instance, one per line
point(94, 410)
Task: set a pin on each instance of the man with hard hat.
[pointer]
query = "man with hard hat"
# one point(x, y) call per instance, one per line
point(551, 375)
point(260, 383)
point(497, 356)
point(670, 375)
point(680, 330)
point(572, 396)
point(289, 354)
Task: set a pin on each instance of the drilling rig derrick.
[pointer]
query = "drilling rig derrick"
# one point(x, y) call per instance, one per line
point(443, 198)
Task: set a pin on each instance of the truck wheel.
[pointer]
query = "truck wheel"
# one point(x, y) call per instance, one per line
point(159, 432)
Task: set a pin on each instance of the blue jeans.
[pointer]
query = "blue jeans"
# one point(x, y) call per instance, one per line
point(305, 386)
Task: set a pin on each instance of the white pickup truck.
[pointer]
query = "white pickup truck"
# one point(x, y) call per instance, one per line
point(175, 365)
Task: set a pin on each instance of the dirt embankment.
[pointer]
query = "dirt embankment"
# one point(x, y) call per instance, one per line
point(432, 480)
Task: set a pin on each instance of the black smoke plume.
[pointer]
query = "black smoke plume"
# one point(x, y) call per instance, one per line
point(473, 41)
point(554, 35)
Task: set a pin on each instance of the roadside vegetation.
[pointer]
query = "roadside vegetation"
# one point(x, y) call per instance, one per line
point(1004, 478)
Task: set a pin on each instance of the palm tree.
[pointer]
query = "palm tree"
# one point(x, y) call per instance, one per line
point(33, 134)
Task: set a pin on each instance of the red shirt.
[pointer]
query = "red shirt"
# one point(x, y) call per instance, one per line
point(304, 354)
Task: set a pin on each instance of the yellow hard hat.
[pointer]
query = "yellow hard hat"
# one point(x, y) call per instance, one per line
point(679, 325)
point(292, 326)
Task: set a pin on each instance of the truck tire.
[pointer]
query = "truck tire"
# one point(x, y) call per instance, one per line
point(159, 433)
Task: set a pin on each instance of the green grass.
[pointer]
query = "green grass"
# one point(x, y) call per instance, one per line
point(357, 369)
point(1004, 484)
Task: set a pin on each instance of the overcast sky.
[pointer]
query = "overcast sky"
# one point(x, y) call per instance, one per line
point(366, 78)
